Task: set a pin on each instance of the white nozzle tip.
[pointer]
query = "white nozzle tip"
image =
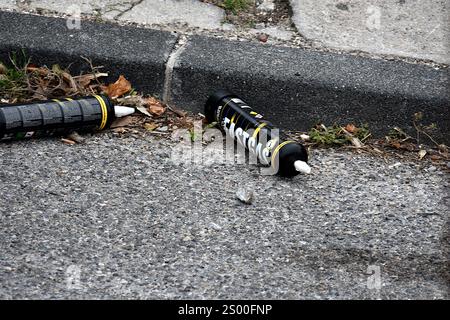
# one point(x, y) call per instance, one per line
point(302, 166)
point(122, 111)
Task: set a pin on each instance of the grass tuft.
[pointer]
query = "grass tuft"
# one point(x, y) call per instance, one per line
point(236, 5)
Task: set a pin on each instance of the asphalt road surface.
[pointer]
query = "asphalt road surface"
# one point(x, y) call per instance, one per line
point(116, 217)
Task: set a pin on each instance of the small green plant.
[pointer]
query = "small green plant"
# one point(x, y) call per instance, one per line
point(251, 23)
point(424, 130)
point(328, 136)
point(211, 125)
point(362, 132)
point(337, 136)
point(398, 134)
point(192, 135)
point(13, 80)
point(236, 5)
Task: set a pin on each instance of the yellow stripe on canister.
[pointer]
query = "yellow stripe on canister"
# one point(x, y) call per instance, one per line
point(104, 112)
point(223, 108)
point(277, 149)
point(255, 134)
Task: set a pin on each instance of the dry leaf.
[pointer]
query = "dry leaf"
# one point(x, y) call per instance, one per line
point(396, 144)
point(435, 157)
point(122, 122)
point(156, 110)
point(68, 78)
point(150, 126)
point(118, 88)
point(74, 136)
point(409, 146)
point(377, 150)
point(119, 130)
point(178, 112)
point(422, 154)
point(85, 79)
point(354, 140)
point(143, 110)
point(443, 147)
point(3, 69)
point(350, 128)
point(41, 71)
point(68, 141)
point(154, 106)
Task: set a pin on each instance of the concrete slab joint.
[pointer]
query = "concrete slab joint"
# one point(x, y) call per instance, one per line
point(178, 49)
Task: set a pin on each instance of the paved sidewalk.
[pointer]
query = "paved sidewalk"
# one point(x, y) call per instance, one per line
point(407, 28)
point(410, 28)
point(117, 218)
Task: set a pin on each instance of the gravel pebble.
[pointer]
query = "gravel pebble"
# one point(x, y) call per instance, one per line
point(245, 196)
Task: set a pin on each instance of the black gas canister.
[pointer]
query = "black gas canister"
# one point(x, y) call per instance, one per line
point(257, 135)
point(58, 117)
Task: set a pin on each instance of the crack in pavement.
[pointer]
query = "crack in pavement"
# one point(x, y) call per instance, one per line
point(132, 6)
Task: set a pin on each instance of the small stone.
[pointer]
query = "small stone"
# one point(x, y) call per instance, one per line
point(245, 196)
point(342, 6)
point(215, 226)
point(163, 129)
point(266, 5)
point(305, 137)
point(395, 165)
point(228, 27)
point(263, 37)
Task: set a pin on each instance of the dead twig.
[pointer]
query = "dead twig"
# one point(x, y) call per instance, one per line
point(354, 140)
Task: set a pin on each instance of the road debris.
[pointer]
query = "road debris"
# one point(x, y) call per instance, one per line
point(422, 154)
point(163, 129)
point(150, 126)
point(263, 37)
point(68, 141)
point(118, 88)
point(244, 195)
point(285, 157)
point(154, 106)
point(74, 136)
point(122, 122)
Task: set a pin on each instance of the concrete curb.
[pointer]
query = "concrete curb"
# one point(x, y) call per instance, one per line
point(292, 87)
point(138, 53)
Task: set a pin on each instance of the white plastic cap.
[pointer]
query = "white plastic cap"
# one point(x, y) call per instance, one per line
point(302, 166)
point(122, 111)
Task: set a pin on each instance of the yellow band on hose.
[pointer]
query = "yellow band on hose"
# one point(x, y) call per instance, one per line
point(277, 149)
point(255, 134)
point(104, 112)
